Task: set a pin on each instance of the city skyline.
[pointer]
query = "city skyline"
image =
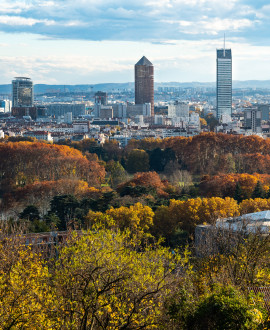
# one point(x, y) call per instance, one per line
point(62, 42)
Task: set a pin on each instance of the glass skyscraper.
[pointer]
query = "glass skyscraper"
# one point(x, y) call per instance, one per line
point(22, 92)
point(224, 82)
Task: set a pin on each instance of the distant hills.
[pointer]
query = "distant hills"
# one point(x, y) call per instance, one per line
point(43, 88)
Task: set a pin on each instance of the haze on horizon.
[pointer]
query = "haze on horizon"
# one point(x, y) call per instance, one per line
point(91, 42)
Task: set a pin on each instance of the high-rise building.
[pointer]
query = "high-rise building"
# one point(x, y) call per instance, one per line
point(22, 92)
point(224, 82)
point(144, 83)
point(253, 119)
point(101, 98)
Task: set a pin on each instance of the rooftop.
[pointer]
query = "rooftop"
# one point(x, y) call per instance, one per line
point(144, 61)
point(226, 52)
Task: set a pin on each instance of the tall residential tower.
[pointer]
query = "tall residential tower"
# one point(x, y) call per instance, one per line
point(224, 82)
point(144, 83)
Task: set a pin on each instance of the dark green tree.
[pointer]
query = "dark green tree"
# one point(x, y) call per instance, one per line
point(137, 161)
point(225, 309)
point(30, 213)
point(158, 158)
point(238, 193)
point(258, 191)
point(64, 207)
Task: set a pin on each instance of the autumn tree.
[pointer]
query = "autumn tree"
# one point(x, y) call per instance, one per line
point(103, 282)
point(149, 180)
point(27, 300)
point(137, 218)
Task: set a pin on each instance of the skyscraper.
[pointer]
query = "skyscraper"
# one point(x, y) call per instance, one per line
point(224, 82)
point(144, 83)
point(22, 92)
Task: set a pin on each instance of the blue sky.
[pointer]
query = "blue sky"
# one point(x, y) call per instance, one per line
point(94, 41)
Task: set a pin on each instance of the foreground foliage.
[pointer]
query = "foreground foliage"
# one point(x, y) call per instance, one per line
point(110, 279)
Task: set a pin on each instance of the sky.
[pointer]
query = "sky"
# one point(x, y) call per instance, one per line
point(99, 41)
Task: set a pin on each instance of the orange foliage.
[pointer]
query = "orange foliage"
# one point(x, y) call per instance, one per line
point(23, 163)
point(254, 205)
point(146, 179)
point(224, 184)
point(41, 193)
point(211, 153)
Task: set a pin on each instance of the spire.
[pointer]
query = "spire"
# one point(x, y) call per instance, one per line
point(144, 61)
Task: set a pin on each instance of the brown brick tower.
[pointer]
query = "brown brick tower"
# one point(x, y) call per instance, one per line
point(144, 83)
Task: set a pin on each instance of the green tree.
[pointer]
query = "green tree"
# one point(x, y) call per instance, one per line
point(225, 309)
point(158, 158)
point(137, 161)
point(258, 191)
point(64, 207)
point(238, 193)
point(30, 213)
point(116, 171)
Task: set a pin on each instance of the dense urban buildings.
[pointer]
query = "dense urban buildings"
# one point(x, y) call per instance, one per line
point(224, 82)
point(144, 83)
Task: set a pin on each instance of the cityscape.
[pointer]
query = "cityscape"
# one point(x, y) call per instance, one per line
point(59, 113)
point(134, 165)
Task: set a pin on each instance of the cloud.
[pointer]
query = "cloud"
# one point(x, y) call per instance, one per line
point(144, 20)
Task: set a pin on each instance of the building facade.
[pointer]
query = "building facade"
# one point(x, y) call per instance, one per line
point(253, 119)
point(144, 83)
point(101, 98)
point(224, 82)
point(178, 109)
point(22, 92)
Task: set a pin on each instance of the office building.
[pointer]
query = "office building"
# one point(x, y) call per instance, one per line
point(265, 109)
point(105, 112)
point(119, 110)
point(178, 109)
point(224, 82)
point(60, 109)
point(253, 119)
point(22, 92)
point(5, 106)
point(144, 83)
point(68, 118)
point(134, 110)
point(101, 98)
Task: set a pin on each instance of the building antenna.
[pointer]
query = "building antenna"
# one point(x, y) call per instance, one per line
point(224, 47)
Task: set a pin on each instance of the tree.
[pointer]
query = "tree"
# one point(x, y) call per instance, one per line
point(225, 308)
point(238, 193)
point(116, 171)
point(64, 208)
point(137, 161)
point(159, 158)
point(137, 218)
point(30, 213)
point(149, 180)
point(254, 205)
point(103, 282)
point(27, 300)
point(258, 191)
